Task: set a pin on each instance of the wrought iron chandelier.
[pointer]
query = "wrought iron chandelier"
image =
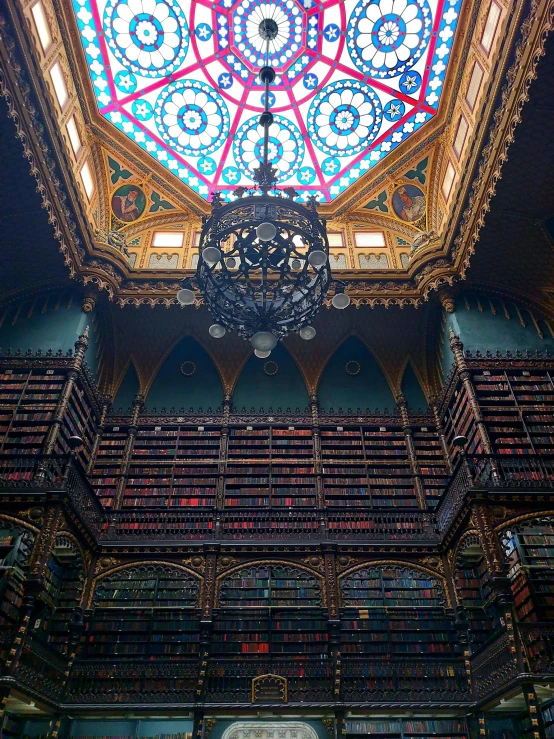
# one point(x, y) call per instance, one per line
point(263, 268)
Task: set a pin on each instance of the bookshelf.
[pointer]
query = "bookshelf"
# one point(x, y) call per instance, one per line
point(367, 467)
point(249, 442)
point(173, 466)
point(277, 633)
point(458, 420)
point(396, 634)
point(28, 399)
point(107, 464)
point(79, 420)
point(548, 718)
point(270, 585)
point(63, 580)
point(291, 442)
point(432, 464)
point(474, 593)
point(144, 613)
point(15, 548)
point(530, 553)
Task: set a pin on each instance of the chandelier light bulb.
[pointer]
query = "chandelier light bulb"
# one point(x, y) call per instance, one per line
point(264, 341)
point(266, 231)
point(231, 262)
point(317, 258)
point(295, 264)
point(185, 297)
point(260, 354)
point(340, 301)
point(307, 333)
point(217, 331)
point(211, 255)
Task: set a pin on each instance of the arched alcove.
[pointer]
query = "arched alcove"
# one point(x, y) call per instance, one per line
point(412, 390)
point(187, 379)
point(353, 379)
point(275, 382)
point(128, 389)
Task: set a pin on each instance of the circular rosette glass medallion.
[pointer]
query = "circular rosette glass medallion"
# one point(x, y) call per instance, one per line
point(344, 118)
point(148, 36)
point(387, 37)
point(193, 116)
point(286, 147)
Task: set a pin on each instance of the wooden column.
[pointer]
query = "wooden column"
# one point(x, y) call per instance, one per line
point(138, 403)
point(412, 458)
point(98, 435)
point(316, 450)
point(80, 348)
point(534, 710)
point(440, 433)
point(223, 452)
point(33, 585)
point(463, 372)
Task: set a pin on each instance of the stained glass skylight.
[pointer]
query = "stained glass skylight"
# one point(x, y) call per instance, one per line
point(355, 78)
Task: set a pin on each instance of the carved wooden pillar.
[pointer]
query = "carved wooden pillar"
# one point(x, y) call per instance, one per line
point(534, 710)
point(138, 403)
point(482, 726)
point(206, 623)
point(316, 449)
point(490, 542)
point(198, 724)
point(412, 458)
point(223, 452)
point(465, 376)
point(98, 435)
point(333, 614)
point(440, 433)
point(61, 409)
point(33, 585)
point(54, 728)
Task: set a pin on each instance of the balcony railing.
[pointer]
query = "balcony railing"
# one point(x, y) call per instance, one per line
point(492, 471)
point(493, 666)
point(59, 472)
point(62, 473)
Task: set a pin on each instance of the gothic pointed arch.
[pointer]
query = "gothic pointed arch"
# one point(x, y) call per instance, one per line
point(187, 378)
point(353, 379)
point(411, 388)
point(128, 388)
point(275, 382)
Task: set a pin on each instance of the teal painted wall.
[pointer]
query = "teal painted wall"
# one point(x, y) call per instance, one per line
point(286, 389)
point(52, 329)
point(482, 330)
point(171, 389)
point(369, 389)
point(412, 390)
point(128, 389)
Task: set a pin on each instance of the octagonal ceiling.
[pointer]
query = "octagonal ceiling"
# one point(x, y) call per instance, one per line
point(355, 79)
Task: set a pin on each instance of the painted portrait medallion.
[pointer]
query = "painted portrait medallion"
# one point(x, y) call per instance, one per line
point(409, 203)
point(128, 203)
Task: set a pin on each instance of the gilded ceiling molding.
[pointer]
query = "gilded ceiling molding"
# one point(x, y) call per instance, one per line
point(15, 91)
point(529, 48)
